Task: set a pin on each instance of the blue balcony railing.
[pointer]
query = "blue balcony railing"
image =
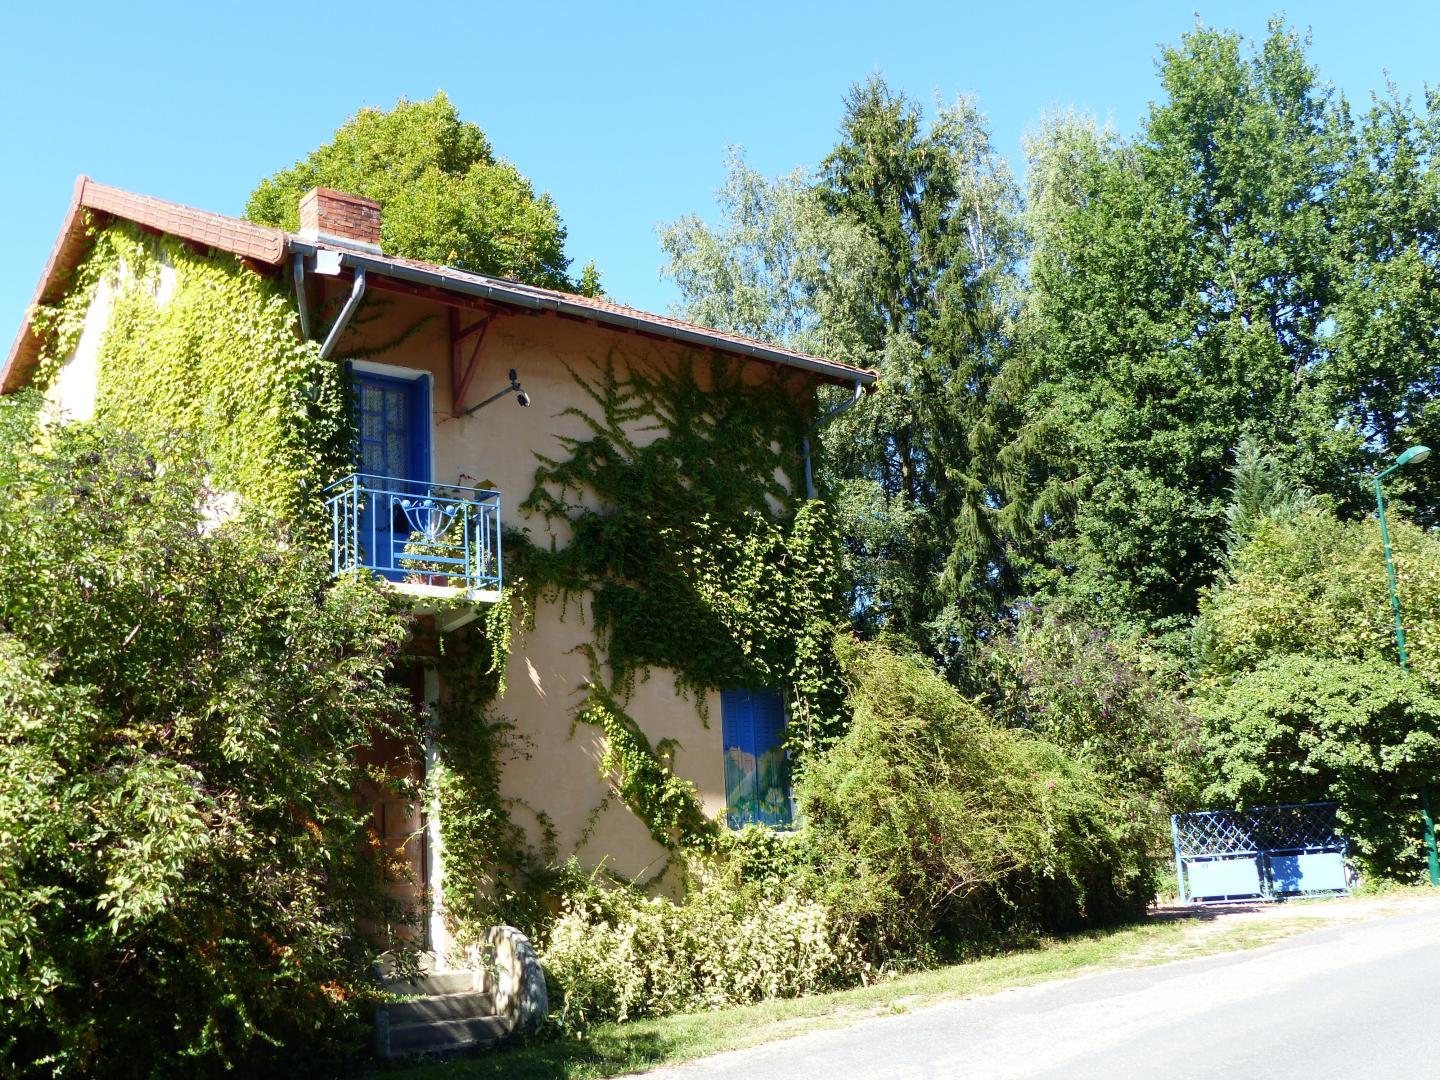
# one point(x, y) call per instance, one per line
point(413, 532)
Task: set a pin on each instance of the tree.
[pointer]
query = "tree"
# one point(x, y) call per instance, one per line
point(1383, 373)
point(447, 198)
point(1180, 287)
point(1259, 491)
point(183, 866)
point(779, 268)
point(902, 253)
point(941, 208)
point(1255, 265)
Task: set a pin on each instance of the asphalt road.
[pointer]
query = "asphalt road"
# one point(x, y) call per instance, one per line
point(1357, 1002)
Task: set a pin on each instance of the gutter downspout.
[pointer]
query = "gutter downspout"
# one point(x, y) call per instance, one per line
point(805, 439)
point(357, 292)
point(297, 271)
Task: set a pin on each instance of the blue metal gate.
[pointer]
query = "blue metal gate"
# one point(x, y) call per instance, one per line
point(1261, 854)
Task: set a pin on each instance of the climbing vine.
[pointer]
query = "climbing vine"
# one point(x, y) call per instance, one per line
point(492, 872)
point(642, 774)
point(678, 502)
point(197, 342)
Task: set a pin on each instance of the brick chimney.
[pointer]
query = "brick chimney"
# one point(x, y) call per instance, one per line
point(339, 218)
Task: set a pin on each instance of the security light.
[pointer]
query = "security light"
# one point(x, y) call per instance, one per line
point(514, 388)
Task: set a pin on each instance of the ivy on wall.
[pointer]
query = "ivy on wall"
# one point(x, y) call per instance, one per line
point(492, 873)
point(212, 351)
point(679, 503)
point(643, 775)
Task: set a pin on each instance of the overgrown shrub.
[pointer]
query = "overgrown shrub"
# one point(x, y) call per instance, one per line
point(931, 825)
point(1109, 701)
point(1300, 686)
point(1316, 586)
point(184, 868)
point(616, 954)
point(1304, 729)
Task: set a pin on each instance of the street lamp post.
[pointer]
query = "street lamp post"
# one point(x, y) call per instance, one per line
point(1414, 455)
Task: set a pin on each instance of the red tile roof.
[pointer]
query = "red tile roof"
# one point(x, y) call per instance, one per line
point(270, 246)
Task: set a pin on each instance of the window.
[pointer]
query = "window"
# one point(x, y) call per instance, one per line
point(757, 773)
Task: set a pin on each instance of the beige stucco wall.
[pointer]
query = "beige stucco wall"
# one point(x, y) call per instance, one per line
point(497, 447)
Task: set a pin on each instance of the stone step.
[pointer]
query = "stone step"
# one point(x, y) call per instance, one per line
point(441, 1007)
point(440, 1036)
point(433, 984)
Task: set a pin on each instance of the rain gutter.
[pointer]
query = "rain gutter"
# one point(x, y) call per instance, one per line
point(520, 296)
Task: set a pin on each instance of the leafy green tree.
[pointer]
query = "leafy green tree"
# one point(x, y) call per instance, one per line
point(777, 268)
point(1257, 264)
point(1383, 372)
point(901, 254)
point(1180, 289)
point(184, 869)
point(447, 198)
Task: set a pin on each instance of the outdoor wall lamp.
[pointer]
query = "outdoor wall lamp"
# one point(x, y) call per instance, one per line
point(1413, 456)
point(521, 397)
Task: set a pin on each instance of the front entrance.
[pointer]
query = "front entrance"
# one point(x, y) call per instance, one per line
point(399, 832)
point(392, 419)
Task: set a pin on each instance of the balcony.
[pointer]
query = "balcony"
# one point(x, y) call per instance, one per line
point(433, 541)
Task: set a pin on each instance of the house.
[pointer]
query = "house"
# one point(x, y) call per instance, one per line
point(470, 395)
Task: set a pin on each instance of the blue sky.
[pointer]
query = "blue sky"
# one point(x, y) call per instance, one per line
point(622, 112)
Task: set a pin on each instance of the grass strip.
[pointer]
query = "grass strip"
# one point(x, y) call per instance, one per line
point(615, 1049)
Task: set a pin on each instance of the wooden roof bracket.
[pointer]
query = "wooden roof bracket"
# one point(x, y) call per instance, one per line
point(462, 372)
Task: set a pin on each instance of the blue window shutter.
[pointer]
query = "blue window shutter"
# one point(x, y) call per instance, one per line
point(757, 775)
point(420, 429)
point(768, 710)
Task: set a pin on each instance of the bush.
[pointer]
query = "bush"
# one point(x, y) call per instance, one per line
point(932, 826)
point(1317, 586)
point(1304, 729)
point(618, 955)
point(183, 865)
point(1299, 682)
point(1110, 702)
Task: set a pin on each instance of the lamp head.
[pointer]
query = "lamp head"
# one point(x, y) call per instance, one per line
point(1413, 456)
point(521, 397)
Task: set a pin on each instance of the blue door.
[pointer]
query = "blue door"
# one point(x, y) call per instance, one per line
point(392, 420)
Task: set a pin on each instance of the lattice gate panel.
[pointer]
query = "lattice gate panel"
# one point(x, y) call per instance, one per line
point(1264, 853)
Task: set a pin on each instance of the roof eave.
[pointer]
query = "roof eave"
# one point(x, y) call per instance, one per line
point(519, 296)
point(272, 246)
